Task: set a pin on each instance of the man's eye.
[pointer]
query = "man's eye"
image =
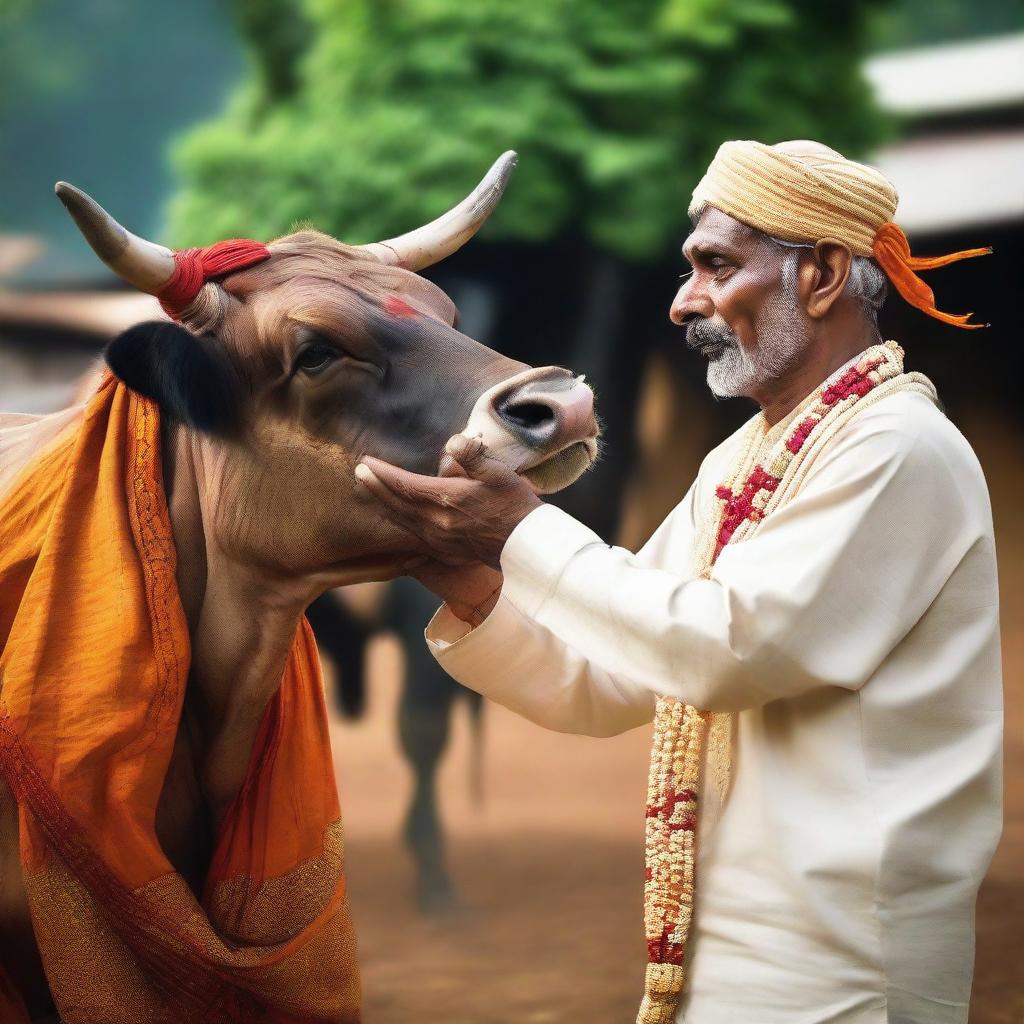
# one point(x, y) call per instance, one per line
point(315, 358)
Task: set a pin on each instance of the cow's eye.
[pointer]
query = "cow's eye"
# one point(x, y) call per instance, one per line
point(315, 358)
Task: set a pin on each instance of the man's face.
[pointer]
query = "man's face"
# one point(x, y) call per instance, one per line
point(739, 306)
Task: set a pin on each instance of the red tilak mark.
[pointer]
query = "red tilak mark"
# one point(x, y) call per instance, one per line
point(740, 507)
point(853, 382)
point(399, 307)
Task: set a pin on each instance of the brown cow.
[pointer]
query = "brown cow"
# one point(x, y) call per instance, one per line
point(283, 376)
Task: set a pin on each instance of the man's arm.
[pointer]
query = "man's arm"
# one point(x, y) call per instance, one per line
point(524, 666)
point(819, 596)
point(478, 636)
point(515, 660)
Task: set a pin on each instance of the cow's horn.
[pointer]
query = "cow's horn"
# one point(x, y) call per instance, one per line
point(440, 238)
point(144, 264)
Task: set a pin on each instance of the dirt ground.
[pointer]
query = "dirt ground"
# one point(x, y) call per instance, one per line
point(550, 873)
point(550, 867)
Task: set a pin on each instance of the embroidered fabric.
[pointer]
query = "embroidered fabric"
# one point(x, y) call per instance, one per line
point(94, 657)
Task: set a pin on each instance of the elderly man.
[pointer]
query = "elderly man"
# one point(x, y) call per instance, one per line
point(813, 629)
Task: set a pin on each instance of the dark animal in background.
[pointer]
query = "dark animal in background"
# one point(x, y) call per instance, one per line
point(429, 695)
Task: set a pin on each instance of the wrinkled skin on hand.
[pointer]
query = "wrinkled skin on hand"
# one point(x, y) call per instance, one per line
point(462, 518)
point(470, 591)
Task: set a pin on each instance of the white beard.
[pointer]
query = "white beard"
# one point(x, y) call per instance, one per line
point(781, 342)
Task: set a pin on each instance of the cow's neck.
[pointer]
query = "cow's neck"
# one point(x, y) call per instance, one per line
point(241, 620)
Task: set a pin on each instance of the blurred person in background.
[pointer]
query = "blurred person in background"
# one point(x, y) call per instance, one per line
point(814, 628)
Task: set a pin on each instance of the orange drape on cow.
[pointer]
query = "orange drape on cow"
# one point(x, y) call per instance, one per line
point(94, 662)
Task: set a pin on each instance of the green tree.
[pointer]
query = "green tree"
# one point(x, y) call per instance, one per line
point(368, 116)
point(27, 68)
point(911, 23)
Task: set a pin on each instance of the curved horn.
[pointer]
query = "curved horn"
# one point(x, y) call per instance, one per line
point(440, 238)
point(143, 264)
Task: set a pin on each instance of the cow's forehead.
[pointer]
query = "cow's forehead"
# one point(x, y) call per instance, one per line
point(310, 256)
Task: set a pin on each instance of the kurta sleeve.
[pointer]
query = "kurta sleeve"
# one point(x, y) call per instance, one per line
point(522, 663)
point(824, 590)
point(524, 666)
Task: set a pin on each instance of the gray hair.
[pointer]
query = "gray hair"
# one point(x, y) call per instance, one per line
point(867, 282)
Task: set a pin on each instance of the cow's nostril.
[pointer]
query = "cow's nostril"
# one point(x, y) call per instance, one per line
point(529, 415)
point(541, 411)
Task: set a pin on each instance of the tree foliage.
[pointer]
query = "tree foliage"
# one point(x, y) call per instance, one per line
point(26, 66)
point(368, 117)
point(911, 23)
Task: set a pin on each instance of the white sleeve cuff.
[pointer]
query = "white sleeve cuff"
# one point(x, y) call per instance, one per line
point(537, 552)
point(474, 654)
point(445, 629)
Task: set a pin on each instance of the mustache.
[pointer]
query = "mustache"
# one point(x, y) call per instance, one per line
point(702, 333)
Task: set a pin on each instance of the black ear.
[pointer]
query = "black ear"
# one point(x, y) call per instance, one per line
point(190, 378)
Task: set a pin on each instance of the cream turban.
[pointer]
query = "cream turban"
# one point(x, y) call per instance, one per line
point(803, 191)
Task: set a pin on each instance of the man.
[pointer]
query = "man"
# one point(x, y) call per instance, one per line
point(813, 629)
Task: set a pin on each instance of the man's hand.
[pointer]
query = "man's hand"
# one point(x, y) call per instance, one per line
point(462, 517)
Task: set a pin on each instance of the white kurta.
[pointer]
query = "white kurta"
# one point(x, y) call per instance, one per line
point(856, 635)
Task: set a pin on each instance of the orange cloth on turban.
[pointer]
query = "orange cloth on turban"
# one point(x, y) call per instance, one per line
point(94, 658)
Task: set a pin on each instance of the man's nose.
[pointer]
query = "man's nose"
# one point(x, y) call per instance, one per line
point(690, 300)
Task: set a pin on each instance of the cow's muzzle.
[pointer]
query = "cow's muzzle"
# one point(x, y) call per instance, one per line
point(541, 423)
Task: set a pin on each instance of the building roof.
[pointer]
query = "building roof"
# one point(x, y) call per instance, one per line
point(957, 77)
point(948, 182)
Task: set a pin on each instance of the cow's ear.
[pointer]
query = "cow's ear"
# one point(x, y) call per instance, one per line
point(190, 378)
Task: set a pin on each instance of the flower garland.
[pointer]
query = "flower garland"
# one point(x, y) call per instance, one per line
point(773, 465)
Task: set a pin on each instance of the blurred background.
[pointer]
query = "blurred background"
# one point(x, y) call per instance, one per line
point(496, 870)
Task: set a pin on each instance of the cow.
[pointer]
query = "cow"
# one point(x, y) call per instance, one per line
point(277, 380)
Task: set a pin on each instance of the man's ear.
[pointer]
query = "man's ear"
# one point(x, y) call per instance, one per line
point(190, 378)
point(831, 266)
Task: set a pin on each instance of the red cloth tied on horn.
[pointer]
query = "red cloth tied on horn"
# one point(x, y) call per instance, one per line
point(194, 267)
point(892, 252)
